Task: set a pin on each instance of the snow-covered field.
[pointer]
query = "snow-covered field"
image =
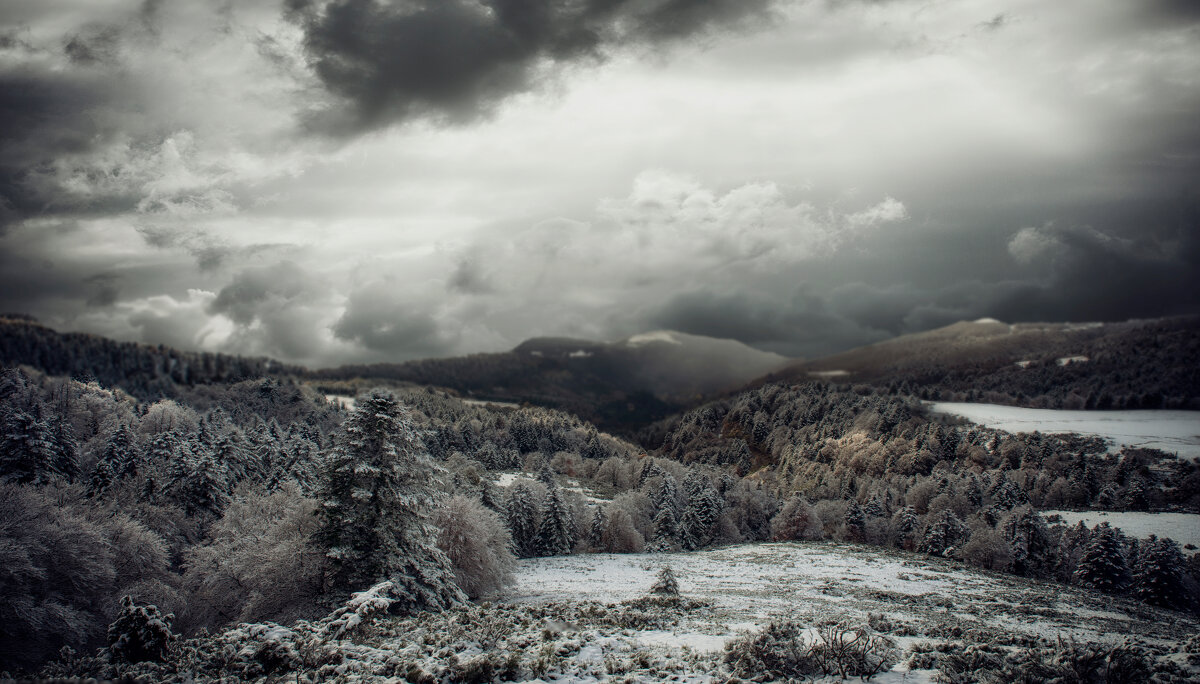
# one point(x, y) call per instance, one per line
point(1182, 527)
point(751, 585)
point(1172, 431)
point(348, 402)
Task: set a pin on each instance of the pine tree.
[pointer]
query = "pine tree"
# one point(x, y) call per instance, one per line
point(376, 501)
point(27, 451)
point(119, 453)
point(556, 533)
point(599, 523)
point(1158, 574)
point(904, 528)
point(701, 513)
point(1026, 533)
point(665, 584)
point(1102, 566)
point(522, 515)
point(666, 531)
point(944, 535)
point(204, 487)
point(855, 523)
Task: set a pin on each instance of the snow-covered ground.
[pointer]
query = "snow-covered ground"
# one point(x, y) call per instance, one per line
point(348, 402)
point(1182, 527)
point(1172, 431)
point(750, 585)
point(567, 483)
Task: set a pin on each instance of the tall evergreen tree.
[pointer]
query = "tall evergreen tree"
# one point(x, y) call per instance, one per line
point(700, 514)
point(1158, 574)
point(376, 500)
point(556, 534)
point(522, 514)
point(944, 534)
point(1102, 566)
point(599, 523)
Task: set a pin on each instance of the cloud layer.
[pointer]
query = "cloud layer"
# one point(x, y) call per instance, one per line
point(329, 181)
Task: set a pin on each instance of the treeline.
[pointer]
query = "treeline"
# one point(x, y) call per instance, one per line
point(145, 371)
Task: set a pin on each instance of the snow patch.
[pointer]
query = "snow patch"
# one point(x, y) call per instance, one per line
point(347, 403)
point(650, 337)
point(1067, 360)
point(1171, 431)
point(829, 373)
point(989, 321)
point(1182, 527)
point(580, 354)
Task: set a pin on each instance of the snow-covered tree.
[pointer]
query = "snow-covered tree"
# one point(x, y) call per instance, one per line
point(522, 515)
point(376, 498)
point(1029, 540)
point(596, 531)
point(904, 528)
point(666, 530)
point(665, 584)
point(1158, 574)
point(701, 513)
point(854, 527)
point(944, 534)
point(140, 633)
point(478, 545)
point(1102, 566)
point(795, 521)
point(556, 533)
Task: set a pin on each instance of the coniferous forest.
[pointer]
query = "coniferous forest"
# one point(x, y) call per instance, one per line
point(142, 529)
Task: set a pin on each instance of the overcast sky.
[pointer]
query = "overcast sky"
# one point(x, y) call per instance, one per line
point(331, 181)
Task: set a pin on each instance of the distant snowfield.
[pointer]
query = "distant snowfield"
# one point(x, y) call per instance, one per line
point(348, 402)
point(1182, 527)
point(1172, 431)
point(750, 585)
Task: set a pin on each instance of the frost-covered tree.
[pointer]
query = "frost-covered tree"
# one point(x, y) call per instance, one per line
point(1029, 540)
point(555, 536)
point(522, 515)
point(666, 530)
point(795, 521)
point(904, 528)
point(28, 453)
point(1158, 574)
point(202, 487)
point(596, 531)
point(701, 513)
point(665, 584)
point(854, 524)
point(944, 534)
point(376, 498)
point(478, 545)
point(1102, 566)
point(140, 633)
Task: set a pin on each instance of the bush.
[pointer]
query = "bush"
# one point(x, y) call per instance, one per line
point(776, 651)
point(478, 545)
point(140, 634)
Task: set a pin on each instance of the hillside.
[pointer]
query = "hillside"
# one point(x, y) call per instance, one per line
point(1134, 364)
point(145, 371)
point(618, 385)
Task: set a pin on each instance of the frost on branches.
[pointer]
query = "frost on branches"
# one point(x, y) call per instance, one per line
point(376, 500)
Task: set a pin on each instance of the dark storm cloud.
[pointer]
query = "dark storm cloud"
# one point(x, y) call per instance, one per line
point(46, 117)
point(381, 318)
point(802, 325)
point(456, 59)
point(259, 289)
point(103, 289)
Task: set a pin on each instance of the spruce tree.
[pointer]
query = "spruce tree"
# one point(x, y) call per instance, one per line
point(1158, 574)
point(944, 534)
point(855, 523)
point(666, 530)
point(556, 534)
point(1102, 566)
point(904, 528)
point(599, 523)
point(522, 515)
point(700, 514)
point(376, 500)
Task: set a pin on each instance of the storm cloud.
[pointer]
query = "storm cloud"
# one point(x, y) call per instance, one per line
point(332, 181)
point(391, 60)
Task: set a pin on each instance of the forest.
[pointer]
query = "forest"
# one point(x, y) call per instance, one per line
point(262, 502)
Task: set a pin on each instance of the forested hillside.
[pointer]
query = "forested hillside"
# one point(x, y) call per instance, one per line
point(1136, 364)
point(145, 371)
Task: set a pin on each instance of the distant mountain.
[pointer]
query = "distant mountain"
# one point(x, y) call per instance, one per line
point(1134, 364)
point(618, 385)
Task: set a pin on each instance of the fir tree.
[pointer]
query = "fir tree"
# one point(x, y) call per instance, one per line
point(666, 531)
point(522, 515)
point(555, 535)
point(599, 524)
point(1102, 566)
point(665, 584)
point(27, 451)
point(944, 535)
point(376, 500)
point(1158, 574)
point(701, 513)
point(904, 526)
point(120, 454)
point(1026, 533)
point(855, 523)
